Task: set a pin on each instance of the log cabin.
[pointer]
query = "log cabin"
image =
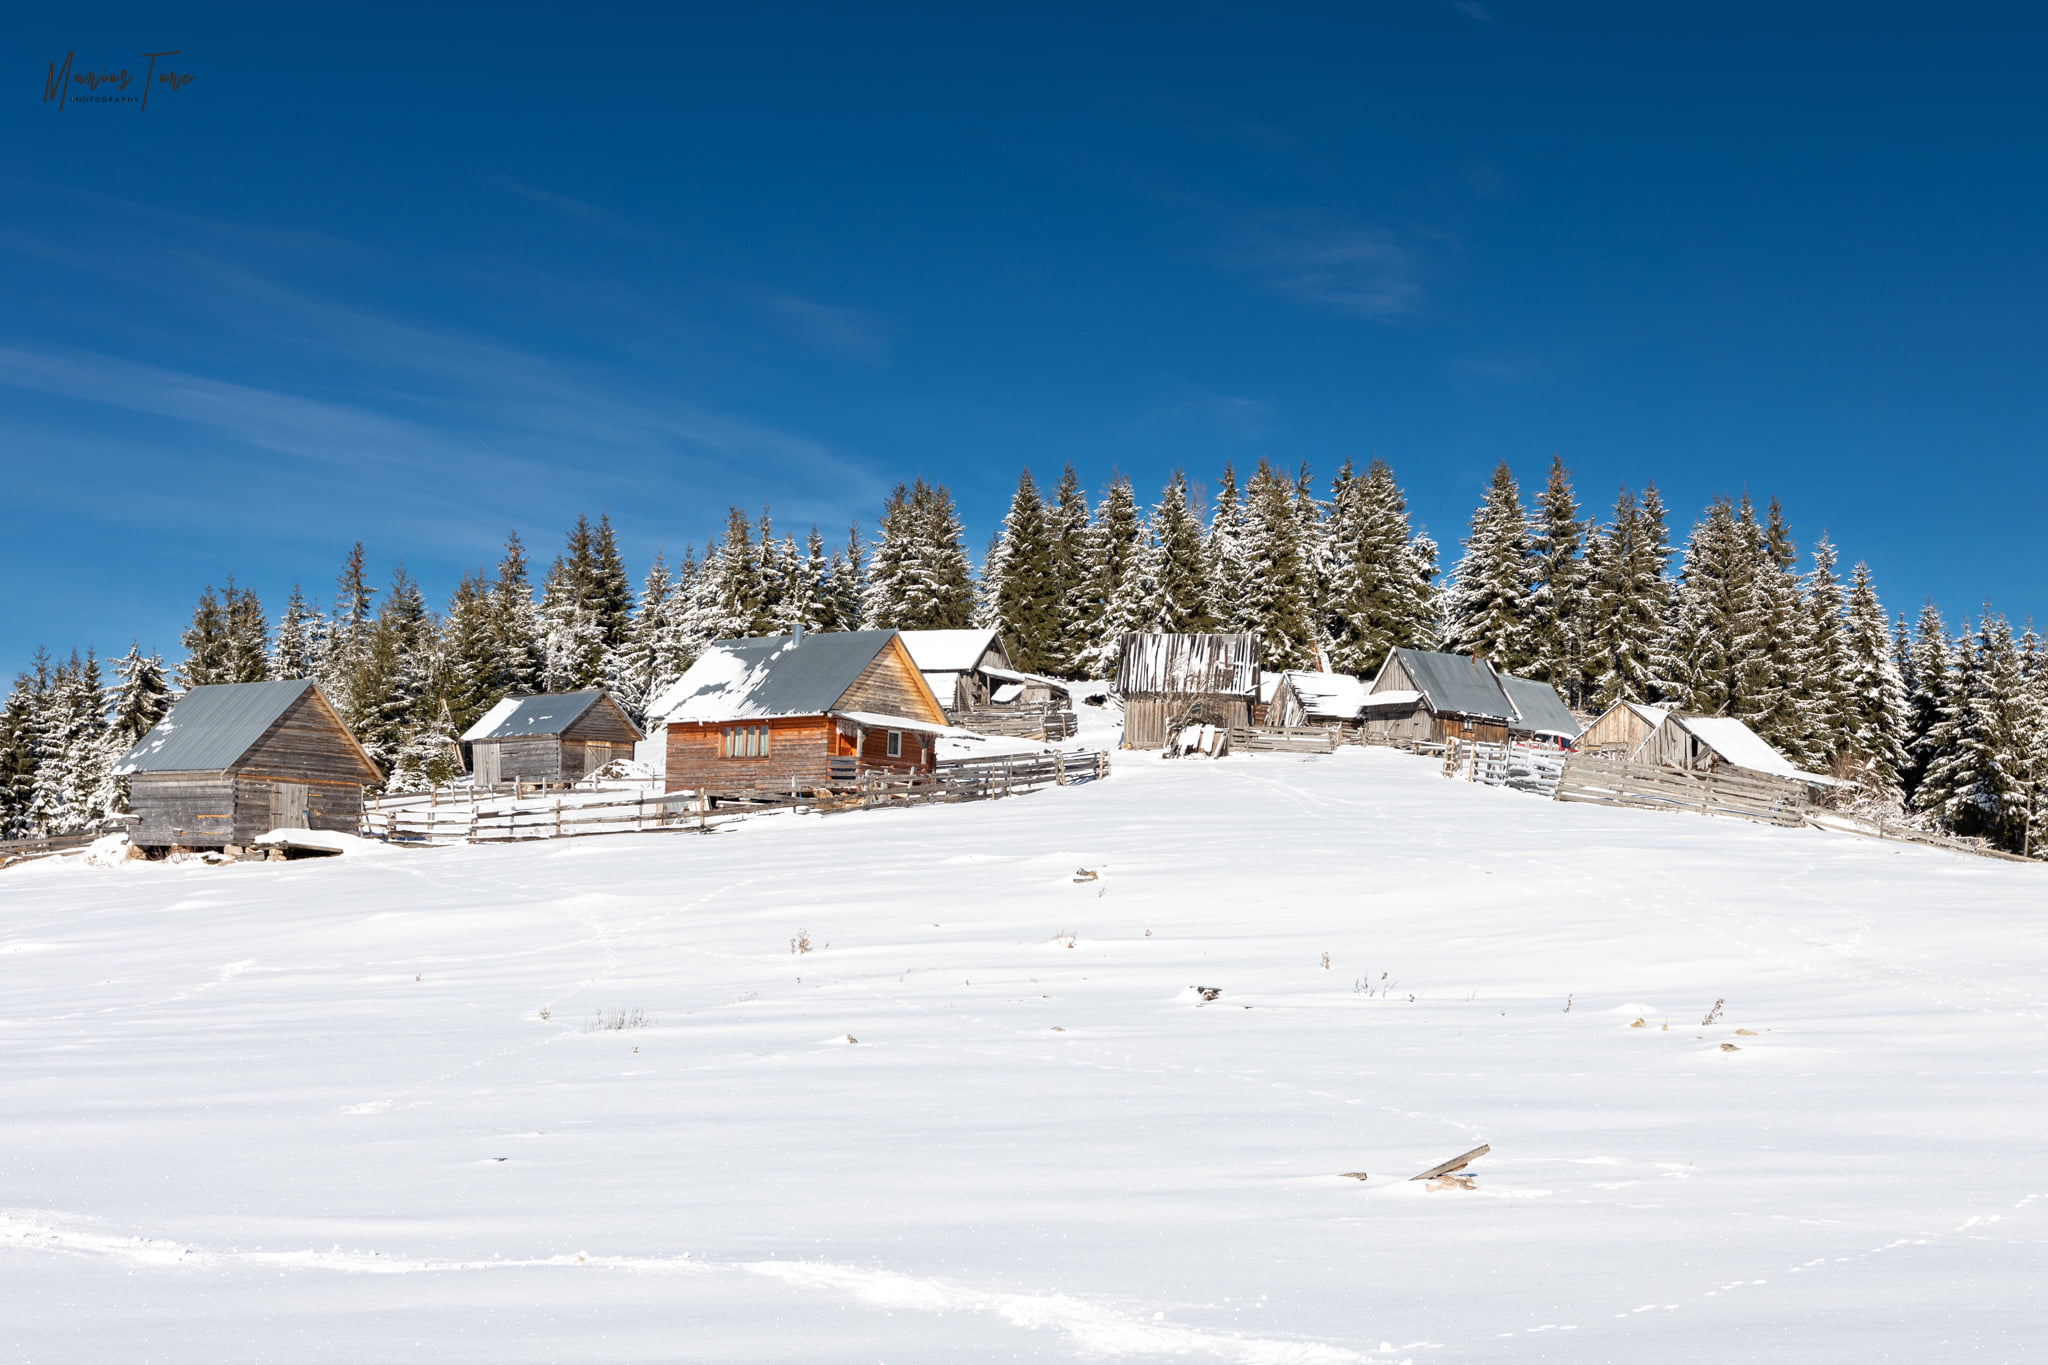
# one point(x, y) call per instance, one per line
point(1170, 681)
point(235, 760)
point(1621, 729)
point(956, 664)
point(1713, 743)
point(802, 712)
point(1424, 697)
point(555, 737)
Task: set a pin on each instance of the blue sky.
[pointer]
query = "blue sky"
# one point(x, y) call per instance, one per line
point(417, 278)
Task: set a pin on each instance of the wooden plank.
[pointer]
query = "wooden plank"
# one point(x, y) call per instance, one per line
point(1456, 1163)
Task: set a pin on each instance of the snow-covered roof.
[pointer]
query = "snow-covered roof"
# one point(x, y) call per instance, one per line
point(1652, 715)
point(951, 651)
point(875, 720)
point(211, 727)
point(1539, 709)
point(1227, 664)
point(1736, 743)
point(777, 675)
point(1326, 696)
point(1389, 699)
point(517, 717)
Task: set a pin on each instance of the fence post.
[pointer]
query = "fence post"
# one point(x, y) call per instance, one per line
point(558, 817)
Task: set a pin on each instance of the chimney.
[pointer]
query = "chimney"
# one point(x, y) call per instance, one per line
point(796, 634)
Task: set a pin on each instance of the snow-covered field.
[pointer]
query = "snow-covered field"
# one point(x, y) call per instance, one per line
point(354, 1110)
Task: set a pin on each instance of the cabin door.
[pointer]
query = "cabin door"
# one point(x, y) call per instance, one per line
point(486, 756)
point(288, 805)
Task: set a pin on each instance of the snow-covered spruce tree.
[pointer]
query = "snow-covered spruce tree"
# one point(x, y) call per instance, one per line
point(660, 650)
point(1067, 520)
point(71, 750)
point(1279, 583)
point(847, 582)
point(796, 592)
point(732, 596)
point(142, 696)
point(21, 723)
point(1557, 602)
point(919, 577)
point(1771, 694)
point(1230, 596)
point(572, 647)
point(393, 693)
point(1118, 541)
point(301, 636)
point(206, 644)
point(469, 652)
point(610, 591)
point(1627, 602)
point(1825, 663)
point(1180, 568)
point(515, 625)
point(1382, 593)
point(1713, 618)
point(1931, 672)
point(1982, 780)
point(1877, 707)
point(1487, 605)
point(246, 656)
point(1315, 536)
point(348, 642)
point(1022, 581)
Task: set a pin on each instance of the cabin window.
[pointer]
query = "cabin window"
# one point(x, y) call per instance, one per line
point(746, 741)
point(895, 744)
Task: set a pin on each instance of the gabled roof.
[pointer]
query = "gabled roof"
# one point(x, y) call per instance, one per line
point(1653, 716)
point(951, 651)
point(519, 717)
point(1226, 664)
point(1539, 708)
point(775, 675)
point(1743, 747)
point(211, 727)
point(1325, 696)
point(1462, 684)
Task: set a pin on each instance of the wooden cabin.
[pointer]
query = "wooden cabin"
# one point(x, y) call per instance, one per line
point(1712, 743)
point(1168, 681)
point(556, 737)
point(1621, 729)
point(798, 712)
point(1332, 700)
point(235, 760)
point(1425, 697)
point(956, 664)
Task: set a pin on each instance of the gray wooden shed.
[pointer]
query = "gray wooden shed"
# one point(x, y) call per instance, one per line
point(235, 760)
point(555, 737)
point(1168, 681)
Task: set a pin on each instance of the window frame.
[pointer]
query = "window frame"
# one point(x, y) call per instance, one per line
point(744, 741)
point(895, 747)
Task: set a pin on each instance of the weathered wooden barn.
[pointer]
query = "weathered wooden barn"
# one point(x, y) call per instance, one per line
point(556, 737)
point(1335, 700)
point(235, 760)
point(956, 664)
point(1621, 729)
point(1169, 681)
point(801, 712)
point(1427, 697)
point(1711, 743)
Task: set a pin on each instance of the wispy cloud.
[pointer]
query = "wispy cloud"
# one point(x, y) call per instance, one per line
point(1472, 9)
point(1362, 270)
point(854, 333)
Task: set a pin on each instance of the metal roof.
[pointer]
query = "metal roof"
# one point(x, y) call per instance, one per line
point(518, 717)
point(211, 727)
point(1543, 711)
point(772, 676)
point(1463, 684)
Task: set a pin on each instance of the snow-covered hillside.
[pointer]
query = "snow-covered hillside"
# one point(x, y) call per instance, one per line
point(354, 1110)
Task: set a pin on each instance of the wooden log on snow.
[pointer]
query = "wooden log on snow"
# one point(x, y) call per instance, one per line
point(1456, 1163)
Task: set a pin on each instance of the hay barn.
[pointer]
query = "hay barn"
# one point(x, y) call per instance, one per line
point(235, 760)
point(1621, 729)
point(556, 737)
point(1167, 681)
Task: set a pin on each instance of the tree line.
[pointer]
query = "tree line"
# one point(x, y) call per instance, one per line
point(1947, 727)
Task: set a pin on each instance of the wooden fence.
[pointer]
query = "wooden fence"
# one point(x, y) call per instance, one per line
point(1742, 794)
point(22, 850)
point(1840, 822)
point(1535, 768)
point(1035, 721)
point(1283, 739)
